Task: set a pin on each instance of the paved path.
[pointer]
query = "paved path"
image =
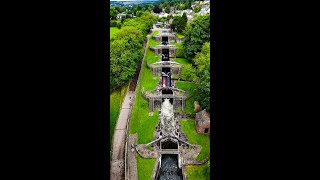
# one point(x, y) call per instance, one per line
point(119, 139)
point(132, 160)
point(117, 171)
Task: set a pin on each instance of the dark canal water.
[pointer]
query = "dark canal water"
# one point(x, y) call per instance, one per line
point(169, 168)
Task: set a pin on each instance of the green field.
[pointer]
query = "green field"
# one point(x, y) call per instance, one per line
point(116, 99)
point(113, 31)
point(145, 168)
point(190, 87)
point(189, 128)
point(199, 172)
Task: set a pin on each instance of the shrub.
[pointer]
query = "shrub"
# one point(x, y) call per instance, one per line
point(113, 23)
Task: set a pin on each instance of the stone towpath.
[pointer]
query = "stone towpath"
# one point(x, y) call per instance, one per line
point(119, 139)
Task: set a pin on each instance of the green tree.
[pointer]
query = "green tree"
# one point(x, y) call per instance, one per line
point(179, 23)
point(167, 10)
point(188, 73)
point(119, 9)
point(196, 34)
point(126, 50)
point(202, 62)
point(157, 9)
point(113, 13)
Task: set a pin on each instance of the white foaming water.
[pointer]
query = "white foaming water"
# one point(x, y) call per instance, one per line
point(167, 119)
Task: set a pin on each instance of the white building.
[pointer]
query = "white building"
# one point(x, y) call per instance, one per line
point(121, 15)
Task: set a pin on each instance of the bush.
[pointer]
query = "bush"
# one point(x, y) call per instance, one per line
point(113, 23)
point(196, 10)
point(179, 53)
point(119, 25)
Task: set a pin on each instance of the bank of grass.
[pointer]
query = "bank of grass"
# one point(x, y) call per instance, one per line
point(116, 99)
point(189, 128)
point(113, 31)
point(150, 57)
point(179, 51)
point(182, 61)
point(145, 168)
point(199, 172)
point(155, 33)
point(141, 123)
point(180, 35)
point(153, 42)
point(190, 87)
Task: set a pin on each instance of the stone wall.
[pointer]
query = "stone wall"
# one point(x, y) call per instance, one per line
point(201, 127)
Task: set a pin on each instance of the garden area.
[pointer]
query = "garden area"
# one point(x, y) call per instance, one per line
point(199, 172)
point(189, 128)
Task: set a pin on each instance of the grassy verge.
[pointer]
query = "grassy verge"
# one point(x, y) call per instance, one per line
point(116, 99)
point(145, 168)
point(180, 36)
point(190, 87)
point(200, 172)
point(141, 123)
point(189, 128)
point(113, 31)
point(155, 33)
point(182, 61)
point(179, 53)
point(151, 58)
point(153, 42)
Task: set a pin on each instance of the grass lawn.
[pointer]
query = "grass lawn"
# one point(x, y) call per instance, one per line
point(182, 61)
point(200, 172)
point(153, 42)
point(151, 58)
point(189, 128)
point(180, 36)
point(116, 98)
point(145, 168)
point(179, 51)
point(155, 33)
point(141, 122)
point(113, 31)
point(190, 87)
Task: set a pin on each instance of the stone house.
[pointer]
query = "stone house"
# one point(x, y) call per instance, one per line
point(203, 122)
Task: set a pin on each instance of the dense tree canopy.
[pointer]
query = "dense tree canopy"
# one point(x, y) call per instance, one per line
point(126, 48)
point(125, 52)
point(113, 13)
point(196, 34)
point(157, 9)
point(202, 62)
point(167, 9)
point(179, 23)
